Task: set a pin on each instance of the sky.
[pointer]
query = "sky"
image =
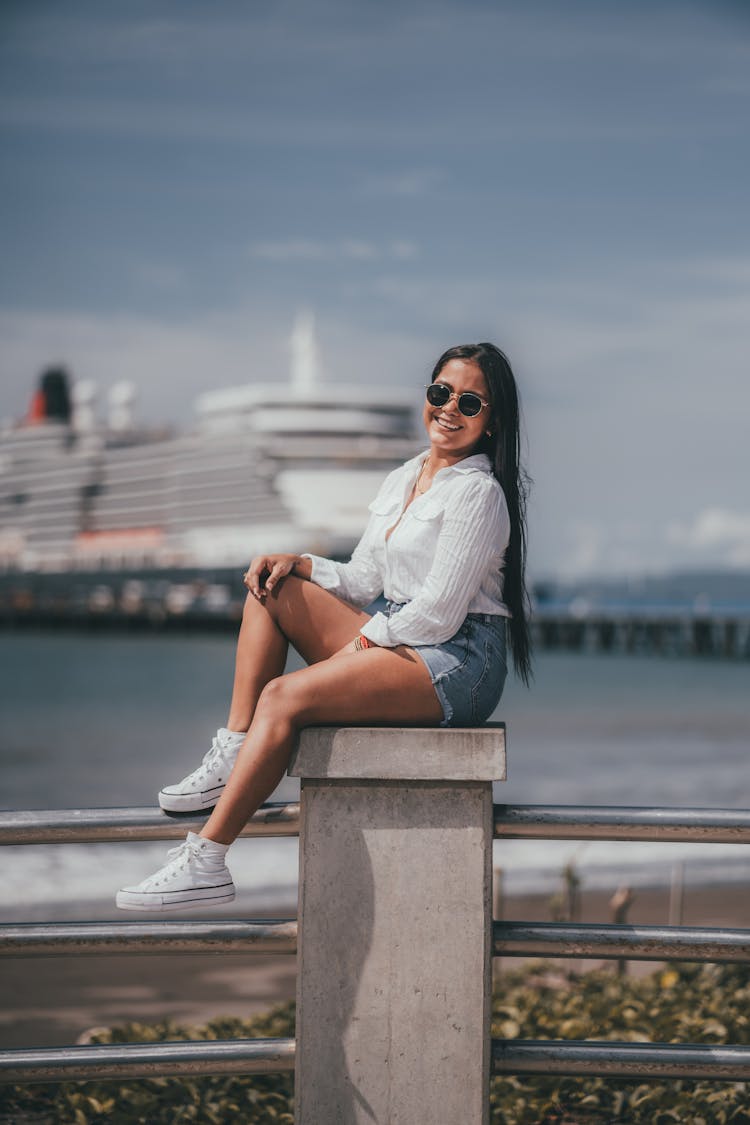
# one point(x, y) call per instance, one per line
point(178, 180)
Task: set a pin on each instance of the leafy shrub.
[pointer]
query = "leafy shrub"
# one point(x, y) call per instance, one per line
point(219, 1100)
point(681, 1003)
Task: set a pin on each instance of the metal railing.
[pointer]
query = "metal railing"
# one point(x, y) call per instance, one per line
point(266, 1056)
point(148, 1060)
point(96, 826)
point(532, 822)
point(600, 822)
point(620, 1060)
point(135, 1060)
point(645, 943)
point(633, 943)
point(55, 938)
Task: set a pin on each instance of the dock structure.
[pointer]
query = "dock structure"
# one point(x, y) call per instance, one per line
point(658, 631)
point(211, 599)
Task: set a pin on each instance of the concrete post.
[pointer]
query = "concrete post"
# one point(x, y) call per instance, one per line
point(395, 911)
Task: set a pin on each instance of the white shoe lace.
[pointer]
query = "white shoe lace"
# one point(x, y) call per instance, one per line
point(179, 858)
point(208, 759)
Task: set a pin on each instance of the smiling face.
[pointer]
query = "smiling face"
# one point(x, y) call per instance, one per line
point(452, 435)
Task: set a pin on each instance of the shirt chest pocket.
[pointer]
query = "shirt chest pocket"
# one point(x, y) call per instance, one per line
point(385, 512)
point(417, 538)
point(383, 506)
point(383, 515)
point(427, 512)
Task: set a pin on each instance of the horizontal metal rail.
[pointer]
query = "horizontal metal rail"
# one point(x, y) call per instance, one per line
point(635, 943)
point(542, 822)
point(510, 939)
point(272, 1056)
point(94, 826)
point(50, 939)
point(620, 1060)
point(594, 822)
point(147, 1060)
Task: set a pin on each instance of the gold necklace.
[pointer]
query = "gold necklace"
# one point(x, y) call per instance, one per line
point(422, 491)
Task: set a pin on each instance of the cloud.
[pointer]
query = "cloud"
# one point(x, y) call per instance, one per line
point(341, 250)
point(715, 532)
point(409, 183)
point(179, 67)
point(585, 554)
point(732, 271)
point(160, 277)
point(335, 46)
point(160, 116)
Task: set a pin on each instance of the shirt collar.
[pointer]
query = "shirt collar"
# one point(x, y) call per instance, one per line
point(478, 462)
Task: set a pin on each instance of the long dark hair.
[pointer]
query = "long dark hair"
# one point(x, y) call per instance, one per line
point(502, 446)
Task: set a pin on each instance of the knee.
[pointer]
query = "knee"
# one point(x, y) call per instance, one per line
point(280, 699)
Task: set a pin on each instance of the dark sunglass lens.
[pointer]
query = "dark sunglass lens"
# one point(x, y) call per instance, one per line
point(469, 404)
point(438, 394)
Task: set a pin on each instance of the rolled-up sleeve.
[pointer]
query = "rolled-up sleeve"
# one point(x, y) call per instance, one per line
point(358, 581)
point(471, 542)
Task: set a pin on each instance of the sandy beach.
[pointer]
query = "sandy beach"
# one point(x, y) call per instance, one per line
point(52, 1001)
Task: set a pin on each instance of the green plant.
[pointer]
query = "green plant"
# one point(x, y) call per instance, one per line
point(260, 1100)
point(680, 1003)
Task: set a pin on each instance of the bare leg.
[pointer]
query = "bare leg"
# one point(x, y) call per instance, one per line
point(378, 685)
point(261, 656)
point(341, 685)
point(316, 623)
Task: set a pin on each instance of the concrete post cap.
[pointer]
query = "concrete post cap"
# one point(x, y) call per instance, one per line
point(405, 753)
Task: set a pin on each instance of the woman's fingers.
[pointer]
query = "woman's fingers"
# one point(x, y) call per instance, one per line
point(279, 569)
point(273, 567)
point(254, 573)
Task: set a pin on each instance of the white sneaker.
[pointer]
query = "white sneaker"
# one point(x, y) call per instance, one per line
point(202, 788)
point(196, 875)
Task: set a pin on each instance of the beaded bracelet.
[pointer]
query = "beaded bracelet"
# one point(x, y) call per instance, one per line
point(361, 643)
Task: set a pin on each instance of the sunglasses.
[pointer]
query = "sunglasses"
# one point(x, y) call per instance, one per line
point(468, 403)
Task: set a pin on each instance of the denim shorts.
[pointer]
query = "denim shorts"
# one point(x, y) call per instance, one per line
point(468, 671)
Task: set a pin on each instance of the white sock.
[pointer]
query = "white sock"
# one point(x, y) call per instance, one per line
point(210, 848)
point(233, 737)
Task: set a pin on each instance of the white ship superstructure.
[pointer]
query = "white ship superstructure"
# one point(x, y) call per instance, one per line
point(287, 468)
point(46, 483)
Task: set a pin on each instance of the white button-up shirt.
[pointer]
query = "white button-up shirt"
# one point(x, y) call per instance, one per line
point(444, 556)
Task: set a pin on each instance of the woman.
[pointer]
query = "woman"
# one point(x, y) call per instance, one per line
point(446, 543)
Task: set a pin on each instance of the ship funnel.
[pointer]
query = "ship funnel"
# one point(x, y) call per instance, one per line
point(304, 353)
point(121, 402)
point(84, 406)
point(51, 400)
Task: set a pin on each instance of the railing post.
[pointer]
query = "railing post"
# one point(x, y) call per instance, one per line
point(395, 921)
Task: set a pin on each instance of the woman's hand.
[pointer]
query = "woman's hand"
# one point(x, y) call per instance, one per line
point(265, 571)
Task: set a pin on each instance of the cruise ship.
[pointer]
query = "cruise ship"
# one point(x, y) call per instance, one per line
point(288, 466)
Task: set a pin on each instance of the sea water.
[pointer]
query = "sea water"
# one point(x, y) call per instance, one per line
point(106, 720)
